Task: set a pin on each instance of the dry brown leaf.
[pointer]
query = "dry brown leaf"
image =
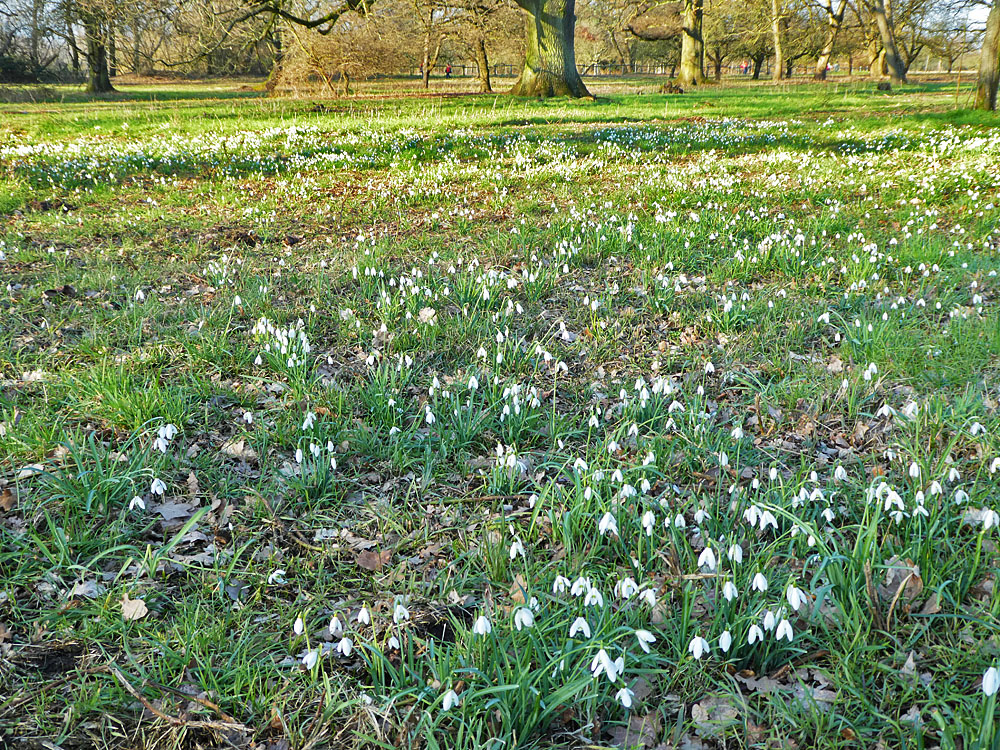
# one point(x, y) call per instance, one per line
point(374, 561)
point(7, 500)
point(519, 590)
point(238, 448)
point(133, 609)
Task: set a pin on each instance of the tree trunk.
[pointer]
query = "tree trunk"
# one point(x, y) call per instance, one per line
point(834, 20)
point(692, 45)
point(718, 65)
point(98, 81)
point(482, 62)
point(549, 56)
point(989, 62)
point(894, 63)
point(112, 52)
point(779, 58)
point(74, 50)
point(758, 63)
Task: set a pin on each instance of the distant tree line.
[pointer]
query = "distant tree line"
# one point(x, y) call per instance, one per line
point(299, 43)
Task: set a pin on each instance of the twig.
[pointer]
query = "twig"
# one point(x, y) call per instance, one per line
point(203, 701)
point(895, 599)
point(174, 721)
point(873, 598)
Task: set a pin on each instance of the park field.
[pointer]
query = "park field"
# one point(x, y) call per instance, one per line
point(444, 420)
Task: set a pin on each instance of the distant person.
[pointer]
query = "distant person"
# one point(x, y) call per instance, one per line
point(447, 71)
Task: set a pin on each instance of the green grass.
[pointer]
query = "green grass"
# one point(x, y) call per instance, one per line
point(448, 373)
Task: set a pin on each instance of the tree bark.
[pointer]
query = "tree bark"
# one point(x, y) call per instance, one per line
point(482, 63)
point(549, 56)
point(98, 80)
point(894, 63)
point(989, 62)
point(112, 52)
point(758, 63)
point(779, 58)
point(834, 20)
point(692, 45)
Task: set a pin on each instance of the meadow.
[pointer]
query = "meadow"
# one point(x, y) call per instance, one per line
point(462, 421)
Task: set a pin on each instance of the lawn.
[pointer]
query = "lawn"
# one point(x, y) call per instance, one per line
point(463, 421)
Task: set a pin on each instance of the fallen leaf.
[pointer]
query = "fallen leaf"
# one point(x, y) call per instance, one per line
point(88, 589)
point(173, 510)
point(238, 448)
point(7, 500)
point(372, 560)
point(133, 609)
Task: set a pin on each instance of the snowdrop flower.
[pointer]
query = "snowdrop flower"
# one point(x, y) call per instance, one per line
point(725, 641)
point(756, 634)
point(593, 598)
point(698, 647)
point(345, 646)
point(400, 613)
point(608, 523)
point(516, 549)
point(625, 696)
point(796, 597)
point(523, 618)
point(579, 626)
point(277, 576)
point(645, 639)
point(248, 417)
point(336, 627)
point(730, 591)
point(560, 585)
point(299, 627)
point(991, 681)
point(840, 474)
point(310, 659)
point(991, 519)
point(137, 502)
point(364, 616)
point(157, 487)
point(784, 630)
point(451, 700)
point(648, 521)
point(707, 559)
point(735, 554)
point(602, 664)
point(759, 583)
point(482, 626)
point(473, 383)
point(914, 470)
point(769, 621)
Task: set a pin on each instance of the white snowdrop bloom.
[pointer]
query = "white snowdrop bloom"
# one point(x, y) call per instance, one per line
point(579, 626)
point(994, 465)
point(784, 630)
point(277, 576)
point(608, 524)
point(730, 591)
point(796, 597)
point(700, 516)
point(751, 515)
point(560, 585)
point(991, 681)
point(645, 639)
point(769, 621)
point(157, 487)
point(759, 583)
point(400, 613)
point(364, 616)
point(594, 598)
point(840, 474)
point(709, 368)
point(698, 647)
point(648, 597)
point(299, 627)
point(482, 626)
point(311, 658)
point(737, 433)
point(345, 646)
point(735, 554)
point(767, 519)
point(523, 618)
point(755, 634)
point(602, 664)
point(648, 522)
point(139, 295)
point(725, 641)
point(473, 383)
point(309, 421)
point(450, 701)
point(516, 549)
point(953, 475)
point(625, 697)
point(991, 519)
point(961, 497)
point(137, 502)
point(580, 586)
point(298, 455)
point(627, 587)
point(935, 488)
point(679, 521)
point(336, 627)
point(579, 465)
point(772, 474)
point(914, 470)
point(393, 643)
point(248, 417)
point(707, 559)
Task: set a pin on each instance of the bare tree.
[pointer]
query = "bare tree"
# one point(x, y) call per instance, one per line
point(989, 62)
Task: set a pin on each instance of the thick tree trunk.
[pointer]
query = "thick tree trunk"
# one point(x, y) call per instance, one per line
point(692, 45)
point(989, 62)
point(834, 20)
point(112, 52)
point(779, 58)
point(894, 63)
point(73, 48)
point(549, 57)
point(482, 63)
point(758, 63)
point(98, 80)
